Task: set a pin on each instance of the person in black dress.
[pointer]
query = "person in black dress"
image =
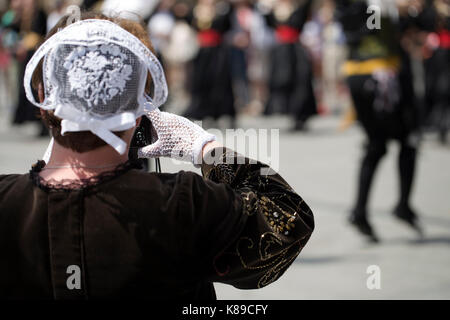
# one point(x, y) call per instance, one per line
point(30, 22)
point(210, 83)
point(437, 69)
point(290, 75)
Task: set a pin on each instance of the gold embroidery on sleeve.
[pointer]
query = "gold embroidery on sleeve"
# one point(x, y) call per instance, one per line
point(273, 265)
point(279, 220)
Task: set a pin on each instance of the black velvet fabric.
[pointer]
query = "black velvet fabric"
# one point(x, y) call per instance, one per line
point(135, 234)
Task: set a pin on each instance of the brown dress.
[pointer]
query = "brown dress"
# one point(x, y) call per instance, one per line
point(134, 234)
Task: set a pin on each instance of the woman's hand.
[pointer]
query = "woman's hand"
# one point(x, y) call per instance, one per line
point(177, 137)
point(211, 145)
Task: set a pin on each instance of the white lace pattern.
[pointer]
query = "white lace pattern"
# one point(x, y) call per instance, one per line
point(94, 75)
point(97, 73)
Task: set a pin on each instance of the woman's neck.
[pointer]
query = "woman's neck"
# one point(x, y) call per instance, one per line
point(68, 164)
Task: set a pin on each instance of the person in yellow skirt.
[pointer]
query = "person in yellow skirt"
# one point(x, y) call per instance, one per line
point(380, 83)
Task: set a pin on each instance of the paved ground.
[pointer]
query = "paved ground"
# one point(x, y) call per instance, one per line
point(322, 165)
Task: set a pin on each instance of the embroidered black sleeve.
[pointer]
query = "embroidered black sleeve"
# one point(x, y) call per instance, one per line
point(278, 225)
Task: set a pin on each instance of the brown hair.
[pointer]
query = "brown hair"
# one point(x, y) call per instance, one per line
point(84, 141)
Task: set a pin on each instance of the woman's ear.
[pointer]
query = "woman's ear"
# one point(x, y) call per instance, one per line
point(41, 93)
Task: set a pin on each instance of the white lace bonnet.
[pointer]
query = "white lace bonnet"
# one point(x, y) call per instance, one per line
point(94, 75)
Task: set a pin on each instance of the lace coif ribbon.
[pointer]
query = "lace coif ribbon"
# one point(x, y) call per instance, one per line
point(74, 121)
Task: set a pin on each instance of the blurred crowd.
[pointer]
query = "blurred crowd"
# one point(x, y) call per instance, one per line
point(294, 57)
